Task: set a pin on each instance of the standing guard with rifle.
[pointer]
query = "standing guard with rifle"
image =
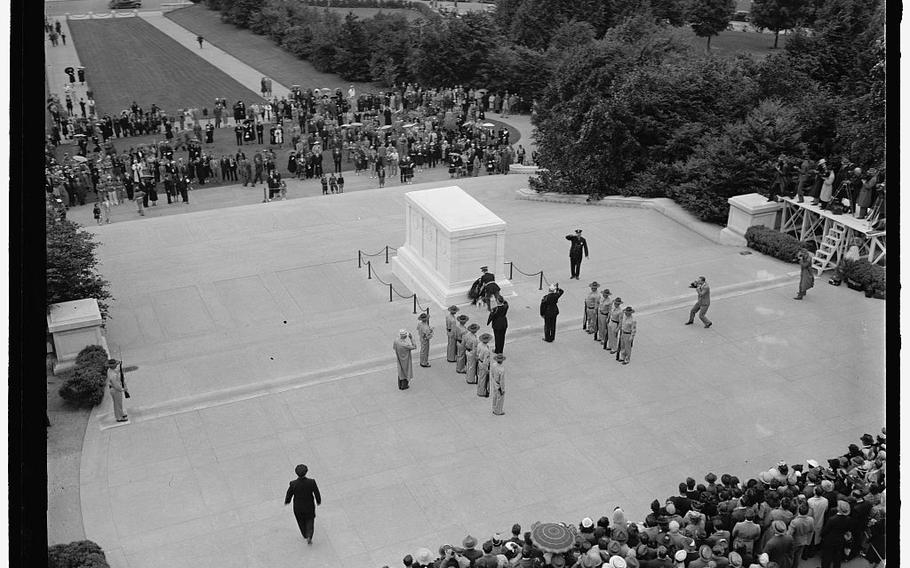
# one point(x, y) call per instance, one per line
point(117, 383)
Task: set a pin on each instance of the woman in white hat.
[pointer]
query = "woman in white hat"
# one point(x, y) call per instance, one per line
point(403, 347)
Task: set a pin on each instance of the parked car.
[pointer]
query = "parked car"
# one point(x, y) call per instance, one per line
point(121, 4)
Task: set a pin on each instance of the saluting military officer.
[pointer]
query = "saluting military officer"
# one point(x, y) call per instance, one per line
point(592, 302)
point(627, 329)
point(470, 344)
point(498, 383)
point(484, 354)
point(460, 355)
point(451, 323)
point(603, 315)
point(424, 333)
point(611, 343)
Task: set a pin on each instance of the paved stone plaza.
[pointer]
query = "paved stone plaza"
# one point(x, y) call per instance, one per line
point(261, 345)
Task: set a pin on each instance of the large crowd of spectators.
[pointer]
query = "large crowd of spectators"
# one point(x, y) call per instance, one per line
point(780, 517)
point(398, 134)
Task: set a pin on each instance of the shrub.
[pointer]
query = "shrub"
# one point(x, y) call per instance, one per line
point(773, 243)
point(869, 277)
point(92, 355)
point(78, 554)
point(84, 385)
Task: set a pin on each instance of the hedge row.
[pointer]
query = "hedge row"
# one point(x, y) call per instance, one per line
point(865, 276)
point(78, 554)
point(773, 243)
point(84, 385)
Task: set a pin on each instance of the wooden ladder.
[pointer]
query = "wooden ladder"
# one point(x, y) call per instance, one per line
point(821, 261)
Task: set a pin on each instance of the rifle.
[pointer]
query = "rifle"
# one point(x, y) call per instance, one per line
point(126, 393)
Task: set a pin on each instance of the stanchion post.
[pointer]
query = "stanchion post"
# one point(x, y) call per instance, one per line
point(387, 254)
point(415, 303)
point(540, 287)
point(359, 259)
point(511, 266)
point(390, 292)
point(369, 271)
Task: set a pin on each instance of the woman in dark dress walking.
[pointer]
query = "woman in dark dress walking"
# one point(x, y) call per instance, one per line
point(304, 490)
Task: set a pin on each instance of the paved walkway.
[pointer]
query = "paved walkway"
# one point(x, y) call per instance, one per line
point(243, 73)
point(261, 345)
point(58, 58)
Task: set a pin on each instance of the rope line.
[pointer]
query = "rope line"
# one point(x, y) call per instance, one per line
point(376, 276)
point(382, 251)
point(392, 287)
point(538, 273)
point(400, 296)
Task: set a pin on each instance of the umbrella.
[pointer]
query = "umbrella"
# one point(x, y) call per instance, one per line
point(553, 537)
point(345, 126)
point(409, 125)
point(327, 89)
point(468, 123)
point(356, 124)
point(80, 158)
point(489, 125)
point(386, 127)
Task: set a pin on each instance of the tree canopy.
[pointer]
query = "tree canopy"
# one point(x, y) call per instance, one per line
point(710, 17)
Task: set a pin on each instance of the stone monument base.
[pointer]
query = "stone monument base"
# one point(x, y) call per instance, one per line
point(426, 283)
point(748, 210)
point(449, 236)
point(74, 325)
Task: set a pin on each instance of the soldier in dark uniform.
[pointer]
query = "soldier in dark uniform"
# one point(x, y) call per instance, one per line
point(238, 134)
point(259, 132)
point(209, 133)
point(579, 245)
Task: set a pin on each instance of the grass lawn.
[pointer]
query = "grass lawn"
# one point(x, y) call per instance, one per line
point(731, 42)
point(130, 60)
point(259, 52)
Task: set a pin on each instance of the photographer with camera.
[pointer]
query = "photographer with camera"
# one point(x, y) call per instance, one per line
point(702, 303)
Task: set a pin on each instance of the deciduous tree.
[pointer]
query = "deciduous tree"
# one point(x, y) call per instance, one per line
point(777, 15)
point(71, 264)
point(710, 17)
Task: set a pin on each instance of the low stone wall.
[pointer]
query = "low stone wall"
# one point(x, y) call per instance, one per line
point(522, 169)
point(662, 205)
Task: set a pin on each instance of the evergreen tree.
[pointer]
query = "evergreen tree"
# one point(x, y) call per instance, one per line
point(352, 55)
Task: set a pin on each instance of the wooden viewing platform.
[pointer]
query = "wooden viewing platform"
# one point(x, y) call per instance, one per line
point(832, 233)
